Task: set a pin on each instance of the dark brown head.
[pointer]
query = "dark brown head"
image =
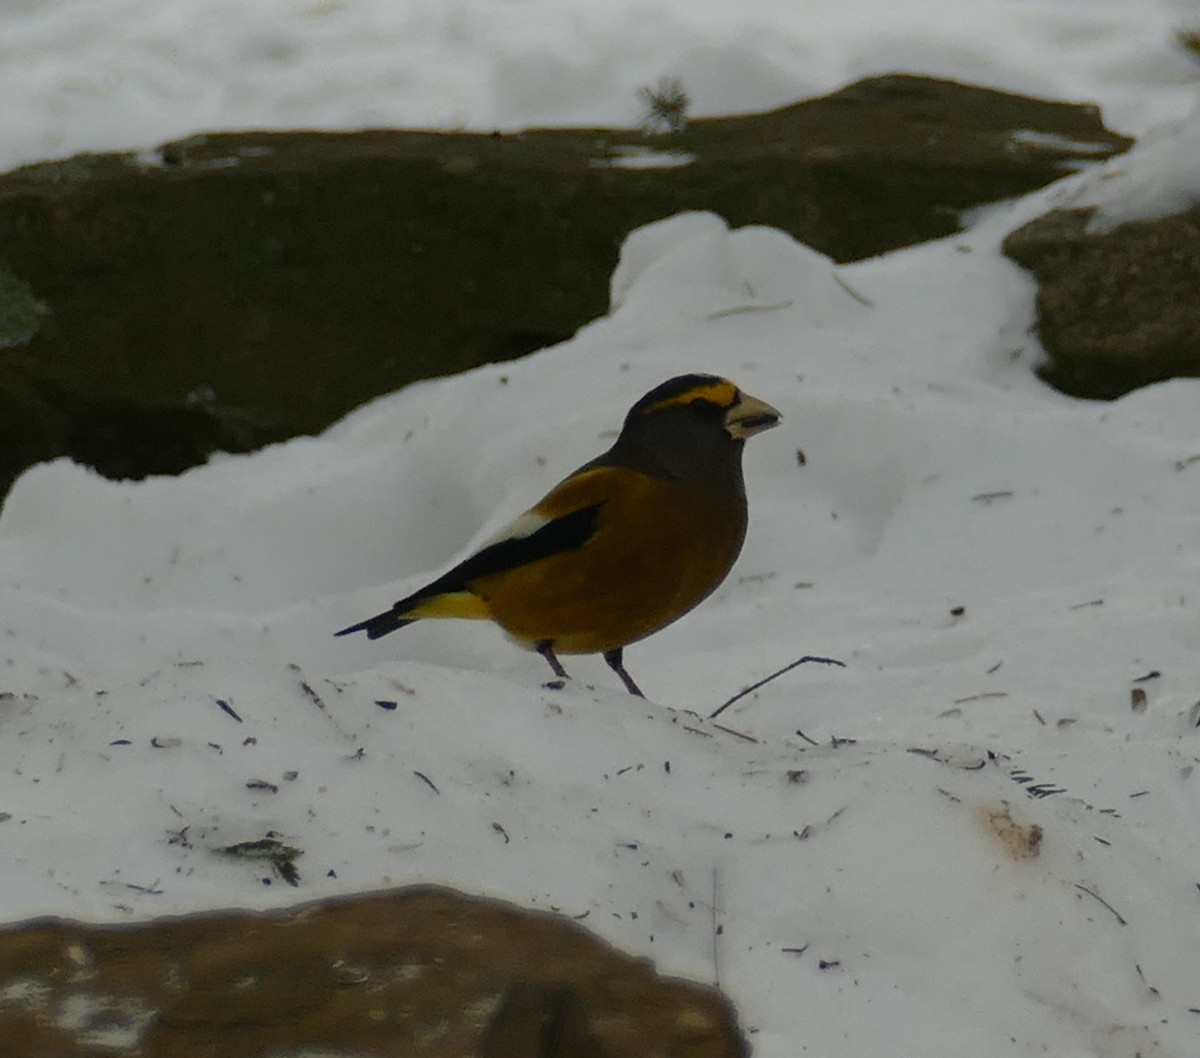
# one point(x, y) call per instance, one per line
point(691, 428)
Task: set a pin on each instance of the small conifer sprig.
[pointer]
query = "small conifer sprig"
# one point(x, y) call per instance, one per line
point(664, 106)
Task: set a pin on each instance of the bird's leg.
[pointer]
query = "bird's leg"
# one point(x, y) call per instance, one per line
point(613, 657)
point(546, 649)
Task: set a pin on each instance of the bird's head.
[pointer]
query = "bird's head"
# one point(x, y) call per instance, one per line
point(693, 424)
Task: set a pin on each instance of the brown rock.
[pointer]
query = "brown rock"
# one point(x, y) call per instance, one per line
point(417, 973)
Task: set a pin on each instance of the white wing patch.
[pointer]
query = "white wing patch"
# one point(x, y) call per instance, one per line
point(525, 525)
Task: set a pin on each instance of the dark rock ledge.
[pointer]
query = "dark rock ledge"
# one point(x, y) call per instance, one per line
point(236, 289)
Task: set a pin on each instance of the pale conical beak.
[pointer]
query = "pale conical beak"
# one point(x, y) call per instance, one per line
point(750, 416)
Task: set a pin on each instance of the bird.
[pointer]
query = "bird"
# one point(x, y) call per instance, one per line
point(620, 548)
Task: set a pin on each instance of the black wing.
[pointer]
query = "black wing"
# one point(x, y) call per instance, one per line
point(567, 533)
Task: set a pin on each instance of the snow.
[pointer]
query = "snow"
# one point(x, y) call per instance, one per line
point(644, 158)
point(1167, 180)
point(82, 75)
point(1008, 574)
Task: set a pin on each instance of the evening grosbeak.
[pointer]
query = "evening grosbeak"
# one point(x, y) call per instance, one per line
point(628, 543)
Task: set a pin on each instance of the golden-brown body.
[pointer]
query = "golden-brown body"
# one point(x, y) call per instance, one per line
point(585, 608)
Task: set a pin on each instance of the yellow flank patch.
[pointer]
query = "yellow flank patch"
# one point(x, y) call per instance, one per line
point(452, 604)
point(722, 393)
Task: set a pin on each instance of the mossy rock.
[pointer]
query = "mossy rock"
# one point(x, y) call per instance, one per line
point(1117, 309)
point(264, 284)
point(411, 973)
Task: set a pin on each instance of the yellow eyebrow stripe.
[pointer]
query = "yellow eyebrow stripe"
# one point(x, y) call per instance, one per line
point(723, 394)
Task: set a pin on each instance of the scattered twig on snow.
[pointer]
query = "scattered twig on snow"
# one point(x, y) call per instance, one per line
point(860, 298)
point(717, 930)
point(738, 309)
point(227, 708)
point(736, 734)
point(149, 890)
point(427, 781)
point(1149, 987)
point(304, 686)
point(1097, 896)
point(1035, 789)
point(774, 675)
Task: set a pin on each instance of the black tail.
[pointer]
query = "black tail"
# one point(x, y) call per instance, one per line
point(388, 621)
point(379, 625)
